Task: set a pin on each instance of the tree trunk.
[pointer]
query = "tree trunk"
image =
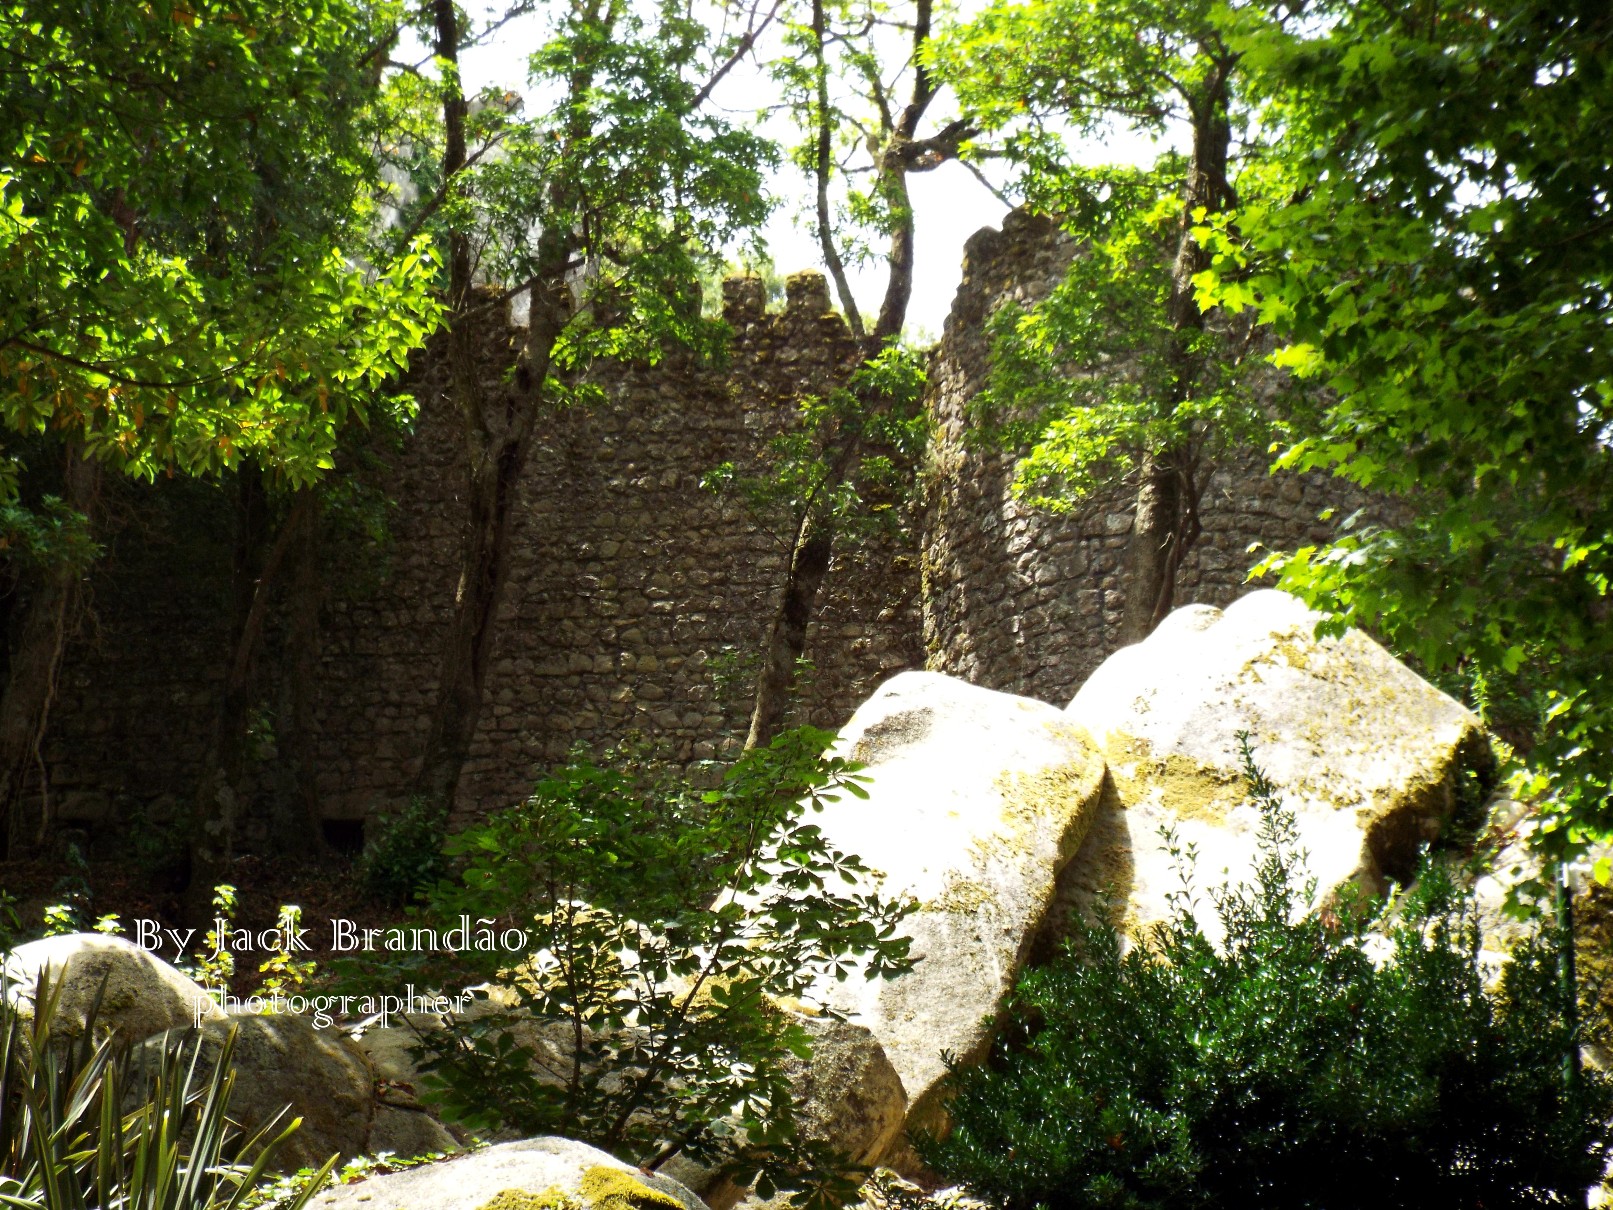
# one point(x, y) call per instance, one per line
point(1165, 523)
point(468, 645)
point(1154, 551)
point(814, 539)
point(258, 565)
point(31, 683)
point(497, 428)
point(809, 564)
point(300, 826)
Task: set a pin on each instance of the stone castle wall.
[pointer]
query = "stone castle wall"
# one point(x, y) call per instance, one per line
point(637, 600)
point(1029, 602)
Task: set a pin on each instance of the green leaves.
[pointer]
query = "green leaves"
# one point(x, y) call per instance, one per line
point(850, 460)
point(178, 196)
point(1087, 380)
point(1427, 235)
point(664, 927)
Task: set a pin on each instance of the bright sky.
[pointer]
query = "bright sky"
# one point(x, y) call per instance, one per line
point(949, 204)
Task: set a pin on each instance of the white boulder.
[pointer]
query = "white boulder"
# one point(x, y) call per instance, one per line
point(1367, 754)
point(532, 1174)
point(976, 800)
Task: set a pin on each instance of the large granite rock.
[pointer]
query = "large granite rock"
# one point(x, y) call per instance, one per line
point(281, 1060)
point(977, 799)
point(141, 995)
point(1367, 754)
point(533, 1174)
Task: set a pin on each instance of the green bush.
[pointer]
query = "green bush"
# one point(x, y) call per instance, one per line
point(642, 1014)
point(406, 853)
point(1336, 1057)
point(86, 1126)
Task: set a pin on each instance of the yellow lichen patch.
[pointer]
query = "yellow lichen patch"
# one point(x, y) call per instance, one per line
point(520, 1199)
point(1296, 649)
point(1187, 788)
point(1067, 792)
point(961, 896)
point(612, 1189)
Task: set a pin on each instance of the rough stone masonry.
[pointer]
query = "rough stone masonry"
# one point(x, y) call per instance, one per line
point(637, 600)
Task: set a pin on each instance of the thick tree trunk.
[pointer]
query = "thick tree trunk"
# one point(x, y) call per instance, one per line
point(809, 564)
point(499, 432)
point(1154, 551)
point(31, 683)
point(259, 565)
point(1165, 523)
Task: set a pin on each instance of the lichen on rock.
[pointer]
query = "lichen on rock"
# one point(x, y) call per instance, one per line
point(519, 1199)
point(1371, 759)
point(605, 1188)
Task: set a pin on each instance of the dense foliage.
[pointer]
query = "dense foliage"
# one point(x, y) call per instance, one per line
point(661, 929)
point(1430, 236)
point(182, 190)
point(1323, 1056)
point(1077, 379)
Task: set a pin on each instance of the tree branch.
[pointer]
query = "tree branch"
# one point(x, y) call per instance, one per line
point(733, 60)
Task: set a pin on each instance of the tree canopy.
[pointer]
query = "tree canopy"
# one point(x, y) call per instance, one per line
point(1429, 236)
point(185, 196)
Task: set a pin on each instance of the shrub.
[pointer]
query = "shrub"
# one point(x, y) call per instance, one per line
point(1345, 1057)
point(406, 853)
point(83, 1126)
point(662, 930)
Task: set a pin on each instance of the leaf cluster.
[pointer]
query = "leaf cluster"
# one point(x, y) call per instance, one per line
point(1086, 381)
point(405, 853)
point(851, 459)
point(178, 184)
point(1429, 236)
point(621, 159)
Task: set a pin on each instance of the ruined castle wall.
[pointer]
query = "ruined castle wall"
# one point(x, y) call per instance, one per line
point(1025, 601)
point(635, 598)
point(637, 601)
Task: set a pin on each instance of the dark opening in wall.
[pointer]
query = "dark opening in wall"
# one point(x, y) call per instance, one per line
point(346, 836)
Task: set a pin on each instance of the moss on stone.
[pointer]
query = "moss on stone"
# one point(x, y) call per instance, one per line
point(612, 1189)
point(1593, 952)
point(519, 1199)
point(1059, 792)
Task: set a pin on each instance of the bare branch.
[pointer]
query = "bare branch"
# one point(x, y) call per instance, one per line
point(733, 60)
point(990, 188)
